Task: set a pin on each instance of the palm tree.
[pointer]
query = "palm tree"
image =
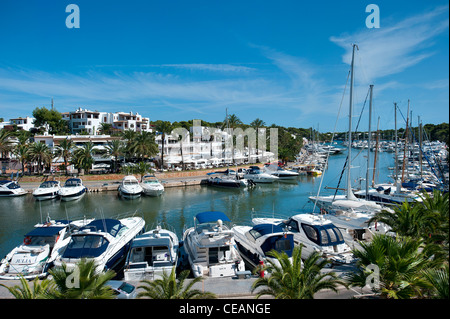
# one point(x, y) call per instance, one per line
point(400, 263)
point(294, 280)
point(39, 290)
point(64, 150)
point(428, 219)
point(168, 287)
point(22, 154)
point(90, 283)
point(115, 148)
point(40, 153)
point(232, 121)
point(5, 143)
point(406, 220)
point(257, 124)
point(143, 145)
point(83, 157)
point(141, 168)
point(105, 128)
point(128, 136)
point(439, 282)
point(436, 209)
point(164, 127)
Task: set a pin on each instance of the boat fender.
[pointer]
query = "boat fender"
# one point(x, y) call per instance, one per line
point(27, 240)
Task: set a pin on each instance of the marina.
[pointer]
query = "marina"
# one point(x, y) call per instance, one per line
point(184, 198)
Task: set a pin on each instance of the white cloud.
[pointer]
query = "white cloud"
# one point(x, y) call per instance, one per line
point(394, 48)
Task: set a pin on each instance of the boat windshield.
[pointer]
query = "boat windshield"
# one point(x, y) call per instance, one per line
point(48, 184)
point(13, 185)
point(72, 183)
point(327, 235)
point(89, 246)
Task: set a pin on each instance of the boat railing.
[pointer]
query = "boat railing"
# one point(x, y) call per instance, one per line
point(268, 215)
point(163, 225)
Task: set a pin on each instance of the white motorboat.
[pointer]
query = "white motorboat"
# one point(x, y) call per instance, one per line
point(73, 189)
point(10, 188)
point(281, 173)
point(106, 241)
point(151, 185)
point(47, 190)
point(228, 181)
point(151, 254)
point(211, 248)
point(354, 221)
point(129, 188)
point(254, 243)
point(255, 174)
point(389, 193)
point(316, 234)
point(39, 249)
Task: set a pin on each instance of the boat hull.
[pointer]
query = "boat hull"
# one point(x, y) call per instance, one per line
point(65, 197)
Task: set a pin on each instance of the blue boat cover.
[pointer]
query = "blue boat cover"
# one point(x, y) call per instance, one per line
point(45, 231)
point(265, 229)
point(212, 216)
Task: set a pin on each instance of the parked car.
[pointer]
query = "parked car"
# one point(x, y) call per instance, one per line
point(122, 290)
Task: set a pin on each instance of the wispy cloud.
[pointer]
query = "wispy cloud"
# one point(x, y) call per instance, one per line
point(395, 47)
point(220, 68)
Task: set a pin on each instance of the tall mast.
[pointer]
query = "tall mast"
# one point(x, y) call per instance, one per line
point(396, 146)
point(369, 142)
point(405, 146)
point(376, 152)
point(420, 146)
point(350, 194)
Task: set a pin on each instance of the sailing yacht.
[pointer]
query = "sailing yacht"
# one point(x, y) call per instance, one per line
point(349, 200)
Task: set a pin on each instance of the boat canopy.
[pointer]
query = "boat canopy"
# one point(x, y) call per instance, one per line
point(45, 231)
point(212, 216)
point(323, 235)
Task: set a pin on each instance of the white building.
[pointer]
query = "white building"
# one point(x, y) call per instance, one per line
point(86, 121)
point(25, 123)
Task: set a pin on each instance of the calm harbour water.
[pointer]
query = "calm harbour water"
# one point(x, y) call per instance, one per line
point(178, 205)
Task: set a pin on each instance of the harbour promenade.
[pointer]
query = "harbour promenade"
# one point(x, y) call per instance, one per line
point(110, 182)
point(234, 288)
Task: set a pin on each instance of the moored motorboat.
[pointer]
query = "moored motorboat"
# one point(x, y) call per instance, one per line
point(211, 248)
point(228, 181)
point(255, 174)
point(255, 243)
point(129, 188)
point(73, 189)
point(151, 254)
point(47, 190)
point(281, 173)
point(105, 241)
point(9, 188)
point(40, 247)
point(151, 186)
point(315, 233)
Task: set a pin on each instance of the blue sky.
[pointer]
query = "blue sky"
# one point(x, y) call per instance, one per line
point(285, 62)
